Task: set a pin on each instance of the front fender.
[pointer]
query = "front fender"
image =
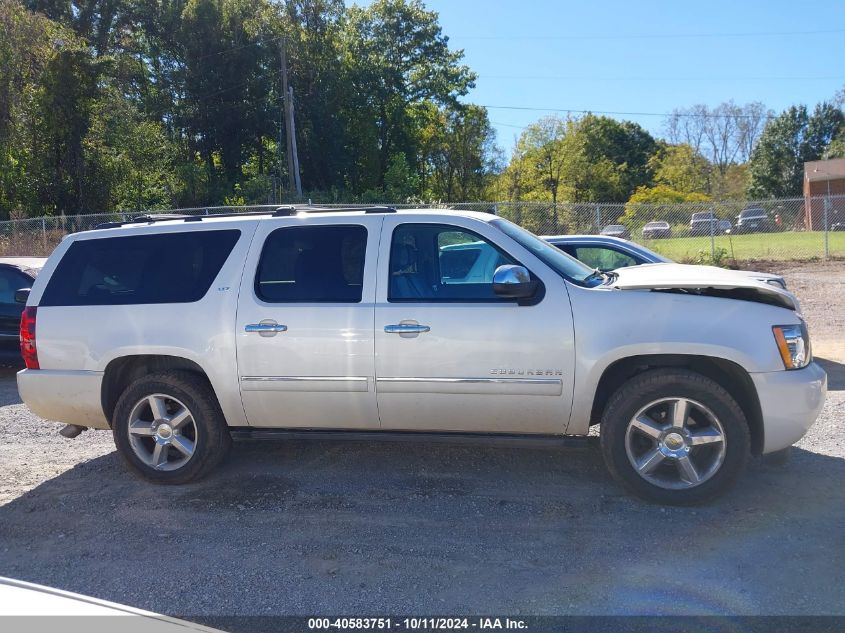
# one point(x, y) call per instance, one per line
point(612, 325)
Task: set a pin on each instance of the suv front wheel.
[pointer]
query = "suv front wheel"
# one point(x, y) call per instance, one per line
point(169, 428)
point(674, 436)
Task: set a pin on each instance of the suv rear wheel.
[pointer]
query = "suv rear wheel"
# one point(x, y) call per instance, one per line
point(169, 428)
point(674, 436)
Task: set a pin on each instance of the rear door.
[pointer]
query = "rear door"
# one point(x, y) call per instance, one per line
point(305, 323)
point(450, 354)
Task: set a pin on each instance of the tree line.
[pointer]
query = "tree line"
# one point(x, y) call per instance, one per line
point(125, 104)
point(132, 104)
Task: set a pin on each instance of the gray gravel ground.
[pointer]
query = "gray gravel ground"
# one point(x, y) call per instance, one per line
point(359, 529)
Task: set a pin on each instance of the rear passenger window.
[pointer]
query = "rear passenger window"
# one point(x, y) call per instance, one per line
point(156, 268)
point(312, 264)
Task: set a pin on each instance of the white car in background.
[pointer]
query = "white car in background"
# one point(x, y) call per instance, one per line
point(48, 609)
point(608, 253)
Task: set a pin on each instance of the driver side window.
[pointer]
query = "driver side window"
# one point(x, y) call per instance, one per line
point(435, 262)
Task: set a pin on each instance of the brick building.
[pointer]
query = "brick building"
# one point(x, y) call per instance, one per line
point(820, 178)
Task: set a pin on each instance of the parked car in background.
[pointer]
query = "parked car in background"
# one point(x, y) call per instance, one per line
point(608, 253)
point(754, 220)
point(657, 230)
point(725, 226)
point(16, 273)
point(703, 223)
point(837, 226)
point(616, 230)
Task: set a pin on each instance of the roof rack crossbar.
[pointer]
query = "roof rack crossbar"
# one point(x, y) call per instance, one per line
point(283, 211)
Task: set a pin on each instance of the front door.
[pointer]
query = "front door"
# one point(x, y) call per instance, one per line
point(305, 324)
point(453, 356)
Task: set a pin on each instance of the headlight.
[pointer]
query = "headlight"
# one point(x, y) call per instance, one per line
point(794, 345)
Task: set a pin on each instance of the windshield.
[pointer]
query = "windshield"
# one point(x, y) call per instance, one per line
point(751, 213)
point(569, 267)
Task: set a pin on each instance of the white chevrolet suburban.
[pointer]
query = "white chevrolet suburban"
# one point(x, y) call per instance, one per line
point(180, 333)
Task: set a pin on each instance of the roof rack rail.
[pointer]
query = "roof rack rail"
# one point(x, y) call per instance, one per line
point(283, 211)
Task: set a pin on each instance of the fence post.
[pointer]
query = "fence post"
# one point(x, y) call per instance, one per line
point(826, 236)
point(712, 239)
point(598, 218)
point(44, 234)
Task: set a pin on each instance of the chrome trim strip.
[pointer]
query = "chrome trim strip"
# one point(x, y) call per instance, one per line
point(479, 381)
point(304, 378)
point(479, 386)
point(305, 383)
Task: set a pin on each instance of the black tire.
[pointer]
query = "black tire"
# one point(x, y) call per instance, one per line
point(652, 386)
point(209, 433)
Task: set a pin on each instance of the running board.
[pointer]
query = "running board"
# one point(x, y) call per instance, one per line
point(489, 439)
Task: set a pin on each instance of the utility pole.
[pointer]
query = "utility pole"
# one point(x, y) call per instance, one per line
point(296, 179)
point(287, 92)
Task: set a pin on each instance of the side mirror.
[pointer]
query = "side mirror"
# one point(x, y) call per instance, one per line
point(514, 282)
point(22, 295)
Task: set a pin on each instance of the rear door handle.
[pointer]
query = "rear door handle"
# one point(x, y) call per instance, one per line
point(267, 327)
point(406, 328)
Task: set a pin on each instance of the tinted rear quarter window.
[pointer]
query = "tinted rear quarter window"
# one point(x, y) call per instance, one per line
point(138, 269)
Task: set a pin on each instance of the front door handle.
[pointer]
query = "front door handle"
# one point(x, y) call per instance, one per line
point(267, 327)
point(406, 328)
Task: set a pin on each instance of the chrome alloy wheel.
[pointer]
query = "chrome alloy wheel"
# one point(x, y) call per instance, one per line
point(162, 432)
point(675, 443)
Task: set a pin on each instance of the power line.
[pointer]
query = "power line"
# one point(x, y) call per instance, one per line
point(617, 113)
point(518, 127)
point(648, 36)
point(631, 78)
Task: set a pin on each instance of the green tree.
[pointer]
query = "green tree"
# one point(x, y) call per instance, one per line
point(227, 80)
point(27, 44)
point(788, 141)
point(619, 153)
point(836, 149)
point(681, 168)
point(458, 153)
point(397, 56)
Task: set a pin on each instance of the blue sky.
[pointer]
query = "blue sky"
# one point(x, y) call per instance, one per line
point(644, 55)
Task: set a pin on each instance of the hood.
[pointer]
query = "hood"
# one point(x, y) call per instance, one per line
point(702, 280)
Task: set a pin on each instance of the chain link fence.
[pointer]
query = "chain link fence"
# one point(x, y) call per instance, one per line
point(700, 232)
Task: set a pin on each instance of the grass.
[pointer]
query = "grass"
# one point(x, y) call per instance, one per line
point(789, 245)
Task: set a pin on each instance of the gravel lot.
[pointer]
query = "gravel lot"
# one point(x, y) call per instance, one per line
point(360, 529)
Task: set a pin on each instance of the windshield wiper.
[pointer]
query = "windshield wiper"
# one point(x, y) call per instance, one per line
point(606, 276)
point(596, 274)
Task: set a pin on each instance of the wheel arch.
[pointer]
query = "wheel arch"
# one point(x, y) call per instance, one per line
point(728, 374)
point(122, 371)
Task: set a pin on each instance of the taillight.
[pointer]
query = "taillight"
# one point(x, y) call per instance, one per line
point(28, 350)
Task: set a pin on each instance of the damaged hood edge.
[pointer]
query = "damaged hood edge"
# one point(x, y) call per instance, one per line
point(703, 280)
